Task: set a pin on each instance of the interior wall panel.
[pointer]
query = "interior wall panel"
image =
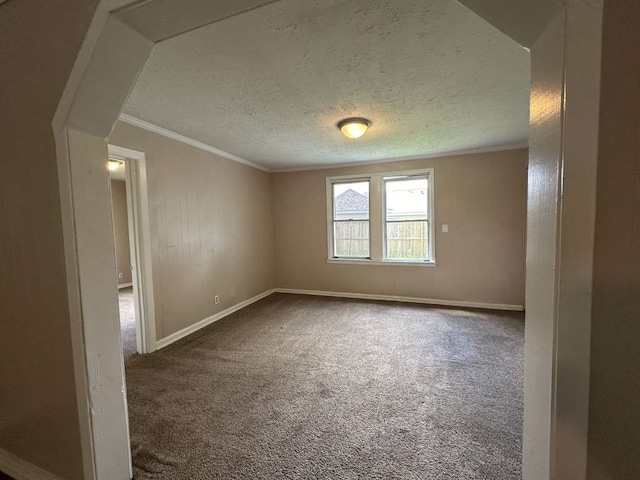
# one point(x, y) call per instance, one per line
point(614, 417)
point(481, 197)
point(211, 229)
point(39, 413)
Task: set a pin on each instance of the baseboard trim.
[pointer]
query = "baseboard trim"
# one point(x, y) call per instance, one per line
point(20, 469)
point(394, 298)
point(125, 285)
point(174, 337)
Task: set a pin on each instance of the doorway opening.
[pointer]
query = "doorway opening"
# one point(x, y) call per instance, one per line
point(130, 228)
point(122, 233)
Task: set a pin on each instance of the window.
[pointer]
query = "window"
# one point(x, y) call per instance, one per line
point(406, 219)
point(382, 218)
point(350, 217)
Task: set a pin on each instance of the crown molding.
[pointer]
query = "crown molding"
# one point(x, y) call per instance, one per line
point(221, 153)
point(136, 122)
point(497, 148)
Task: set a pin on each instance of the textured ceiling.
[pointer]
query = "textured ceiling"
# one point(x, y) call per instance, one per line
point(269, 85)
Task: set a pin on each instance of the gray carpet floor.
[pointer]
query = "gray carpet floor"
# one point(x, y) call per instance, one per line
point(127, 321)
point(298, 387)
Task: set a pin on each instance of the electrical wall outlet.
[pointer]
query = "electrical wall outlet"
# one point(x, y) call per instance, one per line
point(216, 299)
point(120, 275)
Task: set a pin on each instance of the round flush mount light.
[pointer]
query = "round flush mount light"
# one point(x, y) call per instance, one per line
point(354, 127)
point(113, 164)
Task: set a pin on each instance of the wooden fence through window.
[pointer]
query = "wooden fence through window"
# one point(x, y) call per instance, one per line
point(405, 240)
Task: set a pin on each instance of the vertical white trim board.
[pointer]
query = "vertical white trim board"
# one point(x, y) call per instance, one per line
point(396, 298)
point(20, 469)
point(140, 245)
point(174, 337)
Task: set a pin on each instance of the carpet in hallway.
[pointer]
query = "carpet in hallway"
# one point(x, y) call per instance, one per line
point(298, 387)
point(127, 321)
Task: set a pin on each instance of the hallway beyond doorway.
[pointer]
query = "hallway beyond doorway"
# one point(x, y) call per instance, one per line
point(127, 322)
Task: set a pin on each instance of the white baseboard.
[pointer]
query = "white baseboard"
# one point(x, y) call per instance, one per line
point(125, 285)
point(20, 469)
point(394, 298)
point(174, 337)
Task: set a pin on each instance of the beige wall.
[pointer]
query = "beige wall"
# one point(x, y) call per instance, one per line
point(614, 419)
point(211, 228)
point(481, 197)
point(38, 408)
point(121, 230)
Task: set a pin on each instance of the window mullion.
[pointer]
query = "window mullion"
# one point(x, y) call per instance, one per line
point(376, 212)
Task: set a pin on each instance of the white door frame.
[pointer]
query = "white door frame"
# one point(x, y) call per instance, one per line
point(140, 245)
point(106, 68)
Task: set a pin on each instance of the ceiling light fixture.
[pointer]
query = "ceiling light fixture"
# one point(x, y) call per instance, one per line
point(113, 164)
point(354, 127)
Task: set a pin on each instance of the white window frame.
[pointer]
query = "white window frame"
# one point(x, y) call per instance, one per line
point(331, 220)
point(377, 202)
point(411, 174)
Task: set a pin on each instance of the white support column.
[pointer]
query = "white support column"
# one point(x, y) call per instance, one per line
point(543, 215)
point(99, 86)
point(95, 253)
point(565, 103)
point(572, 356)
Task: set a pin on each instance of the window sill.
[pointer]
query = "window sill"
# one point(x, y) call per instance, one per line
point(355, 261)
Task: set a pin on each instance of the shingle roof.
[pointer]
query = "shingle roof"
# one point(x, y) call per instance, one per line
point(351, 201)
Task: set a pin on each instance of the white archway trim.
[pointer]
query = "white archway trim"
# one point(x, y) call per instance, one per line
point(107, 66)
point(557, 358)
point(572, 355)
point(91, 286)
point(563, 157)
point(93, 36)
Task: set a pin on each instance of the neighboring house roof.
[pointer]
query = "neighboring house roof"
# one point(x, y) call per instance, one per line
point(351, 201)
